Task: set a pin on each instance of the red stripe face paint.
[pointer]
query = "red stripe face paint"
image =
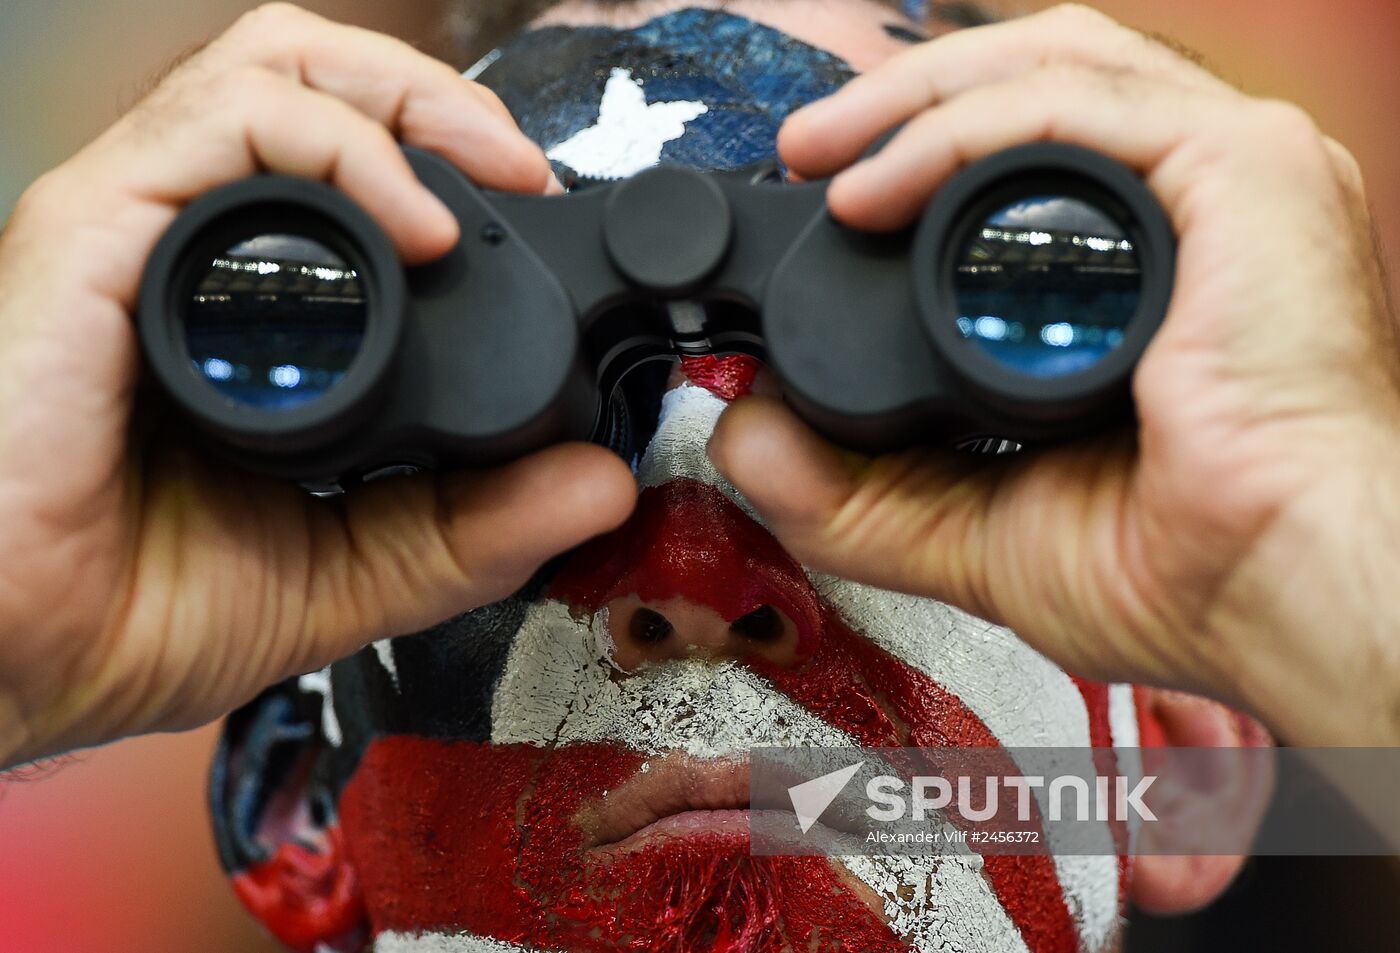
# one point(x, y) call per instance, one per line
point(539, 838)
point(729, 377)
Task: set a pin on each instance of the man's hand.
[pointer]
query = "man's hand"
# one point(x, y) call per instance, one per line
point(1245, 544)
point(143, 589)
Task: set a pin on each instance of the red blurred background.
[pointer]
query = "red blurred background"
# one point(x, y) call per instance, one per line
point(110, 851)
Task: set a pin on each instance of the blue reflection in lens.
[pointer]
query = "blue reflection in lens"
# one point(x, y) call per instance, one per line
point(1047, 286)
point(275, 322)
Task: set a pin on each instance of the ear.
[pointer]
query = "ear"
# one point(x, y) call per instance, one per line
point(1166, 884)
point(273, 801)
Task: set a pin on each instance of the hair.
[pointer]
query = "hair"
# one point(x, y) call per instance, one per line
point(479, 26)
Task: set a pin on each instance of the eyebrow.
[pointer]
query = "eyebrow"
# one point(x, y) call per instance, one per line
point(963, 15)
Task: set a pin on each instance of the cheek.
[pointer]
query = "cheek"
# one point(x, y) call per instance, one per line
point(414, 808)
point(469, 836)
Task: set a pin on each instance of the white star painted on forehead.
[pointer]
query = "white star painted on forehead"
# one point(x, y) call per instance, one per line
point(629, 133)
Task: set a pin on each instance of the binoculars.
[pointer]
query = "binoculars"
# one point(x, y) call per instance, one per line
point(278, 317)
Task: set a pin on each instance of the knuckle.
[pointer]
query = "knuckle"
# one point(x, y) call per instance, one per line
point(1291, 138)
point(270, 19)
point(1286, 123)
point(243, 88)
point(1081, 16)
point(1062, 74)
point(43, 193)
point(1347, 165)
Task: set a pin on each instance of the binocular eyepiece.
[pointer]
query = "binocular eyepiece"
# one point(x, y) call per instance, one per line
point(277, 316)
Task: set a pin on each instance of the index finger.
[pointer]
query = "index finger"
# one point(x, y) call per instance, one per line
point(421, 100)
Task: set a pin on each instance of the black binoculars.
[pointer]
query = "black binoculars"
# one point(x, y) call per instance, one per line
point(277, 315)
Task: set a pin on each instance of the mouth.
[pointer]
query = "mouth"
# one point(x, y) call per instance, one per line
point(675, 797)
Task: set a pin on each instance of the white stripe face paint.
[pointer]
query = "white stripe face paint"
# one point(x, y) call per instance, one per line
point(443, 943)
point(940, 904)
point(1122, 716)
point(1127, 740)
point(678, 449)
point(629, 134)
point(1084, 878)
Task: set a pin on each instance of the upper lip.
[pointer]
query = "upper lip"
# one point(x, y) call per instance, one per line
point(664, 786)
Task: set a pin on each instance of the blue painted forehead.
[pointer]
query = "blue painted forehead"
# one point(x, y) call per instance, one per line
point(701, 88)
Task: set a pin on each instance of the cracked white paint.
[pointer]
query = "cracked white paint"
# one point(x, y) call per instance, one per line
point(679, 447)
point(442, 943)
point(557, 689)
point(629, 133)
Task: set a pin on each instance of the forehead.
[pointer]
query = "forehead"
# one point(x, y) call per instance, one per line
point(853, 30)
point(696, 87)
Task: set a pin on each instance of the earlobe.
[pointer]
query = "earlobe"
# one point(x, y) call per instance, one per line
point(1167, 884)
point(309, 898)
point(1172, 884)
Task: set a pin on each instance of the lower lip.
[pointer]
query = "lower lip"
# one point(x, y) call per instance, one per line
point(724, 825)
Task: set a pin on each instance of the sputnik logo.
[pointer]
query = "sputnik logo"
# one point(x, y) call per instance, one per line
point(811, 798)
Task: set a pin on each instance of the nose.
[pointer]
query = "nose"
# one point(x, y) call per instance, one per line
point(650, 632)
point(691, 575)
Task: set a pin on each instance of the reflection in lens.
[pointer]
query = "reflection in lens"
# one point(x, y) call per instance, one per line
point(275, 322)
point(1047, 286)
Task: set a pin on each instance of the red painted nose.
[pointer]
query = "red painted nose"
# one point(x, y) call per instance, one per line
point(691, 575)
point(650, 632)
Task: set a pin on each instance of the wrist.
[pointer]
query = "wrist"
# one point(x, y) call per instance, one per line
point(1309, 623)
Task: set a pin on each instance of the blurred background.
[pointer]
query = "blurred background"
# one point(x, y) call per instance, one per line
point(110, 851)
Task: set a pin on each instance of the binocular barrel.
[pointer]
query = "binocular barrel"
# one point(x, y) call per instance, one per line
point(277, 316)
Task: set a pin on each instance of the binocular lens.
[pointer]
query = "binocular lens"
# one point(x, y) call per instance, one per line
point(275, 322)
point(1046, 286)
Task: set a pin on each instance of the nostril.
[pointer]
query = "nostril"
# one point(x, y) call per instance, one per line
point(763, 624)
point(649, 627)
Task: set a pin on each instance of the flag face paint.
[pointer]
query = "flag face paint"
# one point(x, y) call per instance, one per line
point(566, 769)
point(530, 776)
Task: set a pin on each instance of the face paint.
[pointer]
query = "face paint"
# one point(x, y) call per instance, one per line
point(700, 88)
point(468, 842)
point(565, 770)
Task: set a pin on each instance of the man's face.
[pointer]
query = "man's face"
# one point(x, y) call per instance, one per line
point(603, 806)
point(568, 770)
